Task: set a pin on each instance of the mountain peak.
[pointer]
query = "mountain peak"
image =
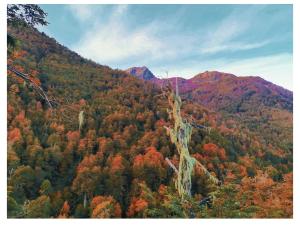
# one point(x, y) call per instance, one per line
point(141, 72)
point(213, 75)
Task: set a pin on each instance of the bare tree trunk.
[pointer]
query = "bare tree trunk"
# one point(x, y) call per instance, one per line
point(180, 135)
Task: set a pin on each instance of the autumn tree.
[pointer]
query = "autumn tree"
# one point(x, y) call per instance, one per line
point(87, 178)
point(65, 210)
point(150, 167)
point(116, 183)
point(105, 207)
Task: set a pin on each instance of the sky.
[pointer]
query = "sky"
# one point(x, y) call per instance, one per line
point(184, 40)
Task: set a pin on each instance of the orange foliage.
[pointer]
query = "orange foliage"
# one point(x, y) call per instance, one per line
point(21, 117)
point(136, 206)
point(270, 196)
point(152, 158)
point(243, 171)
point(105, 207)
point(198, 157)
point(58, 128)
point(65, 210)
point(10, 109)
point(104, 144)
point(88, 161)
point(212, 150)
point(117, 164)
point(82, 144)
point(73, 135)
point(222, 154)
point(18, 54)
point(162, 189)
point(14, 135)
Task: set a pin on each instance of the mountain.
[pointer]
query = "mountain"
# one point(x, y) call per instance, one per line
point(141, 72)
point(218, 91)
point(113, 164)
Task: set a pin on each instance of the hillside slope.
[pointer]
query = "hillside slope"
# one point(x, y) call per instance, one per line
point(114, 165)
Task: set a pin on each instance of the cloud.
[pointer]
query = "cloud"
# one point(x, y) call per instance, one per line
point(232, 47)
point(114, 42)
point(222, 37)
point(82, 12)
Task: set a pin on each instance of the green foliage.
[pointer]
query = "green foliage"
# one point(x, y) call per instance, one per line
point(38, 208)
point(28, 14)
point(227, 205)
point(251, 172)
point(46, 188)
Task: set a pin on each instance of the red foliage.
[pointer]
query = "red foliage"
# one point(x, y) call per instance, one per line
point(82, 102)
point(210, 149)
point(152, 158)
point(73, 135)
point(160, 123)
point(222, 154)
point(138, 161)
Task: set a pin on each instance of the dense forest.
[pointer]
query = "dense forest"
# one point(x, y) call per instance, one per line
point(100, 150)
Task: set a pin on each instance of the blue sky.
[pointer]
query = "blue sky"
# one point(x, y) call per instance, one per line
point(184, 40)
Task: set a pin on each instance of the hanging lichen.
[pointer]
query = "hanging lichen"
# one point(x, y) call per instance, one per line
point(80, 119)
point(180, 135)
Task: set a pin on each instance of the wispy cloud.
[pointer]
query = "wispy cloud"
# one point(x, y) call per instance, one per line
point(224, 36)
point(114, 41)
point(82, 12)
point(232, 47)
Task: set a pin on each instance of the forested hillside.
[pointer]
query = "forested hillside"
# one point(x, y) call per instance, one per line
point(110, 162)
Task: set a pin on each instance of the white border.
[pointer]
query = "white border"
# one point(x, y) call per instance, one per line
point(3, 115)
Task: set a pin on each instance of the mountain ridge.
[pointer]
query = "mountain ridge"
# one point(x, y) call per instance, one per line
point(206, 86)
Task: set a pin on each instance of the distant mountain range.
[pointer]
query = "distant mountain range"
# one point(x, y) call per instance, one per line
point(218, 90)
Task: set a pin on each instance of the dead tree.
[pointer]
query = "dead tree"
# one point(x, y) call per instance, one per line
point(180, 135)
